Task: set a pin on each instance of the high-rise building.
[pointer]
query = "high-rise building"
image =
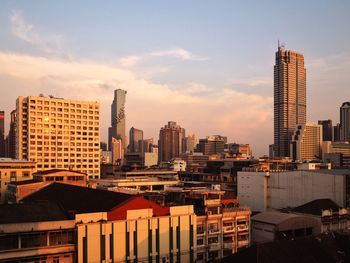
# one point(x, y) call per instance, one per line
point(11, 138)
point(345, 121)
point(327, 129)
point(170, 141)
point(59, 134)
point(117, 129)
point(190, 144)
point(213, 144)
point(117, 151)
point(135, 140)
point(306, 143)
point(289, 98)
point(147, 145)
point(2, 134)
point(336, 132)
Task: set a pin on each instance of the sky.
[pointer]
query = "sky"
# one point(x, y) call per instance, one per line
point(208, 65)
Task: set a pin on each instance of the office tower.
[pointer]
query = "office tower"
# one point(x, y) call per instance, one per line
point(190, 143)
point(336, 133)
point(147, 145)
point(11, 138)
point(59, 134)
point(345, 121)
point(213, 144)
point(289, 98)
point(2, 134)
point(170, 141)
point(117, 129)
point(327, 129)
point(117, 151)
point(135, 140)
point(306, 143)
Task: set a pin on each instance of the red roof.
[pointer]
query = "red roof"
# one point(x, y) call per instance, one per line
point(120, 211)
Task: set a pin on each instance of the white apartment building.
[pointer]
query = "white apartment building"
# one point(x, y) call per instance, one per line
point(59, 133)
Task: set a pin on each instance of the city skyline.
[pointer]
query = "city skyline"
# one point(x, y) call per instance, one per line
point(225, 85)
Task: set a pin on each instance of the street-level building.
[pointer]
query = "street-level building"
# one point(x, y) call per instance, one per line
point(12, 170)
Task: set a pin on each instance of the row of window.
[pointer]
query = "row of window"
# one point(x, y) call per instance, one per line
point(65, 104)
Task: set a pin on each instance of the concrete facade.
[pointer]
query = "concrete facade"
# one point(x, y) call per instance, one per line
point(264, 190)
point(59, 134)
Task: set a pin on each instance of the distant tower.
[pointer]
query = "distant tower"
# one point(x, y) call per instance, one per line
point(2, 134)
point(327, 129)
point(289, 98)
point(170, 141)
point(345, 121)
point(12, 136)
point(117, 129)
point(135, 140)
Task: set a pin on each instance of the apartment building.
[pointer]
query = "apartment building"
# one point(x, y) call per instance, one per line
point(59, 134)
point(223, 227)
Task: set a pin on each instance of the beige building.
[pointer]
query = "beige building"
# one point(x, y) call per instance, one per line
point(289, 98)
point(306, 142)
point(59, 134)
point(12, 170)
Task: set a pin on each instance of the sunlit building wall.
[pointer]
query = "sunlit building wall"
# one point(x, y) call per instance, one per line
point(59, 133)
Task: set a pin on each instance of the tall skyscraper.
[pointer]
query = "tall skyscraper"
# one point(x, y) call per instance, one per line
point(336, 133)
point(117, 129)
point(2, 134)
point(345, 121)
point(289, 98)
point(327, 129)
point(59, 134)
point(11, 139)
point(170, 141)
point(135, 140)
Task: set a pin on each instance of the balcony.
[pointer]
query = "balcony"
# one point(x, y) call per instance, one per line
point(242, 227)
point(243, 243)
point(213, 231)
point(229, 229)
point(228, 245)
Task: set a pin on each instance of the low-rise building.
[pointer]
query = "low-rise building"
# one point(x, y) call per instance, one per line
point(12, 170)
point(40, 232)
point(223, 227)
point(16, 191)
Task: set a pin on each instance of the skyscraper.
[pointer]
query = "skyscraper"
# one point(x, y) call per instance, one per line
point(11, 139)
point(170, 141)
point(59, 134)
point(345, 121)
point(117, 129)
point(289, 98)
point(327, 129)
point(2, 134)
point(135, 140)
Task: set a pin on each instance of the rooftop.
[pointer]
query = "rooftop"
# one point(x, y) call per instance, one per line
point(325, 248)
point(56, 171)
point(78, 199)
point(315, 207)
point(30, 212)
point(273, 217)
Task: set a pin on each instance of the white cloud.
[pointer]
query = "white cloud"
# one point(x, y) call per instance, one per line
point(51, 44)
point(178, 53)
point(198, 108)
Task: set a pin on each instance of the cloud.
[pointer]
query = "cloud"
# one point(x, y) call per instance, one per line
point(198, 108)
point(178, 53)
point(51, 44)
